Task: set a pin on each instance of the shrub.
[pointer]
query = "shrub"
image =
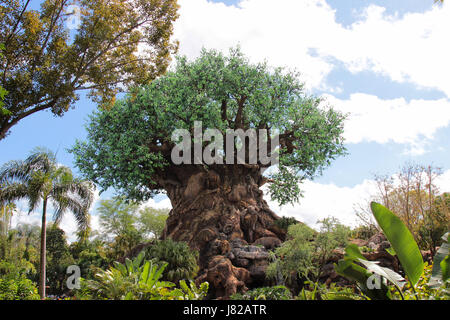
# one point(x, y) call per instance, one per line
point(181, 260)
point(138, 280)
point(19, 288)
point(306, 251)
point(264, 293)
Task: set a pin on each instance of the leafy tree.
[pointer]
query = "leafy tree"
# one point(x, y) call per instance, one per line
point(3, 92)
point(117, 44)
point(414, 196)
point(152, 221)
point(89, 255)
point(130, 146)
point(58, 259)
point(40, 179)
point(119, 220)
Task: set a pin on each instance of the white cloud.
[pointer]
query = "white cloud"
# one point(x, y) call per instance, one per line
point(372, 119)
point(413, 47)
point(324, 200)
point(280, 32)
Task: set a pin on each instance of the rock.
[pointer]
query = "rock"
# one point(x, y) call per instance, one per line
point(359, 242)
point(269, 243)
point(224, 278)
point(241, 262)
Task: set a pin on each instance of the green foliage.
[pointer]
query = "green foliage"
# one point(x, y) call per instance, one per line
point(181, 260)
point(45, 65)
point(118, 221)
point(320, 291)
point(152, 221)
point(129, 147)
point(423, 290)
point(306, 250)
point(40, 179)
point(264, 293)
point(138, 280)
point(89, 256)
point(58, 259)
point(364, 232)
point(19, 288)
point(419, 287)
point(401, 241)
point(3, 92)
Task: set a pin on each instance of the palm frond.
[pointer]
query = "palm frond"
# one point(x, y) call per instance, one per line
point(77, 197)
point(13, 191)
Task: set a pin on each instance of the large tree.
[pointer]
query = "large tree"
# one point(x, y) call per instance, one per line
point(112, 46)
point(129, 147)
point(41, 180)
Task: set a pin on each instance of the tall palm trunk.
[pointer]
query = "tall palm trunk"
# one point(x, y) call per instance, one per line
point(43, 251)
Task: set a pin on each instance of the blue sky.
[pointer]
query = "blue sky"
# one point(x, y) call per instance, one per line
point(384, 62)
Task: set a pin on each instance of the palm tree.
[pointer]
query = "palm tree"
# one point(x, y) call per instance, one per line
point(40, 179)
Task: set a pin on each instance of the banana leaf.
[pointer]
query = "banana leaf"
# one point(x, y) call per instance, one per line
point(401, 240)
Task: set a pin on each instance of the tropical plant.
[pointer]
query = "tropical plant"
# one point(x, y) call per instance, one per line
point(306, 251)
point(181, 260)
point(138, 279)
point(19, 288)
point(264, 293)
point(40, 179)
point(403, 246)
point(320, 291)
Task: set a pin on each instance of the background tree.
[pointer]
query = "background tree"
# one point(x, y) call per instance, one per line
point(117, 44)
point(413, 195)
point(41, 180)
point(58, 259)
point(152, 221)
point(118, 222)
point(129, 147)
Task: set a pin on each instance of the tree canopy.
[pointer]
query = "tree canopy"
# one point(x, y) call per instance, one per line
point(129, 146)
point(117, 44)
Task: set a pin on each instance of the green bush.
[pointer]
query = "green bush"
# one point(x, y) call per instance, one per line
point(20, 288)
point(264, 293)
point(181, 260)
point(306, 251)
point(137, 280)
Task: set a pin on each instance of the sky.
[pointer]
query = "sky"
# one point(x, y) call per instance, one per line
point(384, 63)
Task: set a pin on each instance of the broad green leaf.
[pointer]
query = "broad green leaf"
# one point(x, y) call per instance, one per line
point(357, 273)
point(352, 252)
point(444, 266)
point(401, 240)
point(391, 251)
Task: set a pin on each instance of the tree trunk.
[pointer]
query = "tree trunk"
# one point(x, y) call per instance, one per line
point(43, 252)
point(219, 215)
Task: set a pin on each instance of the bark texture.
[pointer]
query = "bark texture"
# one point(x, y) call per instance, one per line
point(222, 214)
